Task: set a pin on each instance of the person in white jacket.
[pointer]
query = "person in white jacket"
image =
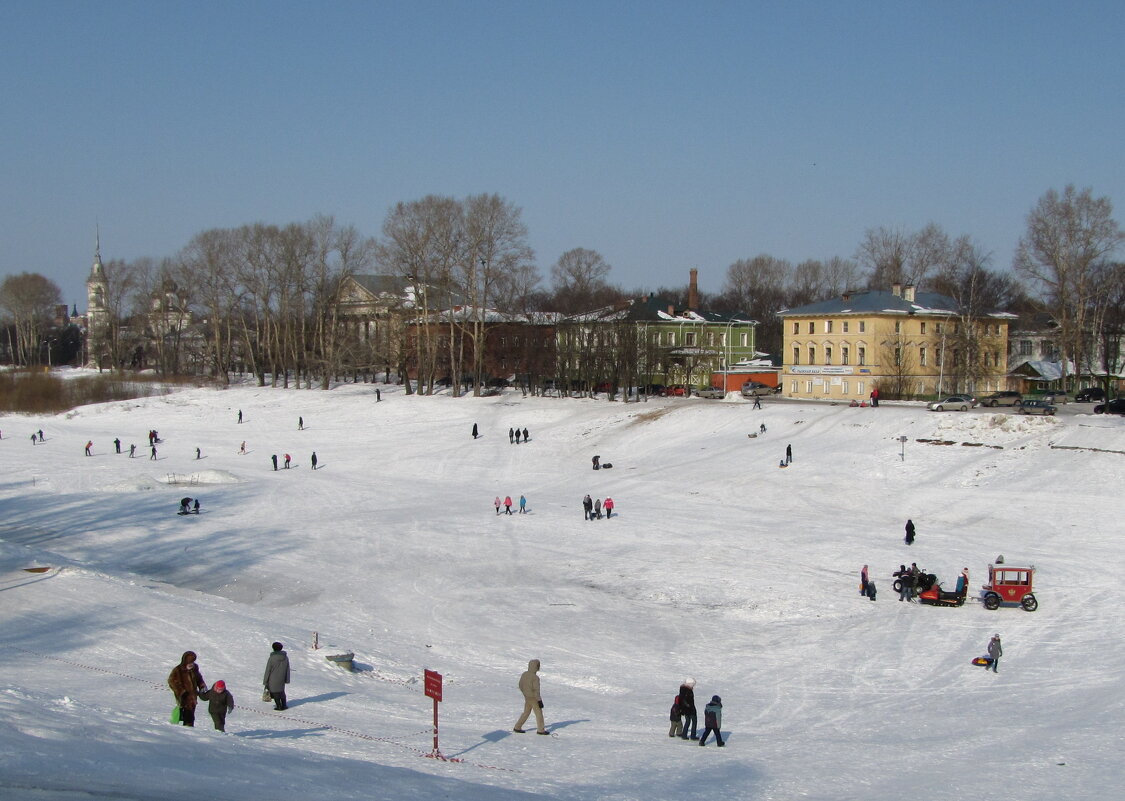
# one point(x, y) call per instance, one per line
point(532, 700)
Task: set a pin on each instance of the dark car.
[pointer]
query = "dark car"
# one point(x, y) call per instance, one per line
point(1003, 398)
point(1037, 407)
point(1115, 406)
point(1090, 395)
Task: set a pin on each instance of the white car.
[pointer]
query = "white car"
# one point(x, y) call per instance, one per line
point(711, 392)
point(957, 403)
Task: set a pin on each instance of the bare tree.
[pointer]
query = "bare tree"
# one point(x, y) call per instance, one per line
point(30, 300)
point(758, 287)
point(579, 281)
point(1068, 238)
point(894, 256)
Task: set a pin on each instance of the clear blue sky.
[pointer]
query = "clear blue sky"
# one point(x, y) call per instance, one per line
point(663, 135)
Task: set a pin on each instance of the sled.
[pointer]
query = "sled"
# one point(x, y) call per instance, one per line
point(983, 661)
point(175, 715)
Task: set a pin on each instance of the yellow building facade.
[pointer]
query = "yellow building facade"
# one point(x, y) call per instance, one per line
point(903, 343)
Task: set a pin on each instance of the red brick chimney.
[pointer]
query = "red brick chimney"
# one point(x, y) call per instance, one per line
point(693, 290)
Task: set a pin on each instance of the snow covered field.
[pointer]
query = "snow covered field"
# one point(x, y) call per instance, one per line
point(719, 566)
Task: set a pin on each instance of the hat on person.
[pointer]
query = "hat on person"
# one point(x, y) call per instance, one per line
point(220, 685)
point(689, 682)
point(277, 646)
point(716, 699)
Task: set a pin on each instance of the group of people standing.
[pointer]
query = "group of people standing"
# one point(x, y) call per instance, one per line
point(507, 503)
point(592, 509)
point(188, 686)
point(514, 435)
point(684, 716)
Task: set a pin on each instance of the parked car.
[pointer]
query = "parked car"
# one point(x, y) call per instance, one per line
point(676, 390)
point(1115, 406)
point(1037, 407)
point(1055, 396)
point(653, 389)
point(711, 392)
point(957, 403)
point(752, 388)
point(1003, 398)
point(1089, 395)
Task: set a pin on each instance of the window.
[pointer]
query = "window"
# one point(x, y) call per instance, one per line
point(923, 327)
point(689, 338)
point(796, 354)
point(828, 354)
point(1025, 347)
point(844, 355)
point(862, 326)
point(937, 328)
point(844, 388)
point(898, 326)
point(859, 388)
point(723, 339)
point(671, 337)
point(796, 328)
point(922, 355)
point(812, 329)
point(793, 386)
point(743, 340)
point(808, 387)
point(828, 326)
point(845, 326)
point(812, 354)
point(861, 352)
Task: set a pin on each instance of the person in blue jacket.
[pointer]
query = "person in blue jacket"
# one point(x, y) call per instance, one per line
point(713, 721)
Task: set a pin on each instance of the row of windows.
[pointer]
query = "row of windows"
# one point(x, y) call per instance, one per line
point(691, 338)
point(845, 354)
point(990, 358)
point(830, 326)
point(844, 385)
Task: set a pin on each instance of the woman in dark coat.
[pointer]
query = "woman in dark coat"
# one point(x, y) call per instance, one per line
point(909, 532)
point(186, 682)
point(687, 705)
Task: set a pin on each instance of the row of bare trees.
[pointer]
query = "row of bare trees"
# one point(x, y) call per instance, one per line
point(264, 298)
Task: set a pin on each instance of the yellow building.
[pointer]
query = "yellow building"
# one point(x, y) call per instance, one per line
point(904, 343)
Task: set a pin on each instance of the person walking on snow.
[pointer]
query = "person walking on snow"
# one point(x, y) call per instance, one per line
point(240, 417)
point(300, 424)
point(608, 506)
point(909, 532)
point(687, 704)
point(863, 581)
point(274, 458)
point(496, 503)
point(287, 458)
point(995, 651)
point(713, 720)
point(195, 506)
point(587, 507)
point(511, 436)
point(475, 431)
point(525, 436)
point(523, 505)
point(757, 402)
point(277, 676)
point(198, 455)
point(132, 451)
point(242, 448)
point(117, 444)
point(313, 460)
point(532, 699)
point(152, 454)
point(219, 703)
point(788, 455)
point(186, 681)
point(89, 444)
point(598, 508)
point(507, 504)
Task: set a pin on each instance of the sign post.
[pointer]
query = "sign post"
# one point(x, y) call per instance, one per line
point(433, 690)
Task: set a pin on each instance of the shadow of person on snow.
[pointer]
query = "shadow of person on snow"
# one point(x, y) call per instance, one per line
point(316, 699)
point(268, 734)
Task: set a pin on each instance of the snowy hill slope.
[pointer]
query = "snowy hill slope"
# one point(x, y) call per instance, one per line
point(719, 565)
